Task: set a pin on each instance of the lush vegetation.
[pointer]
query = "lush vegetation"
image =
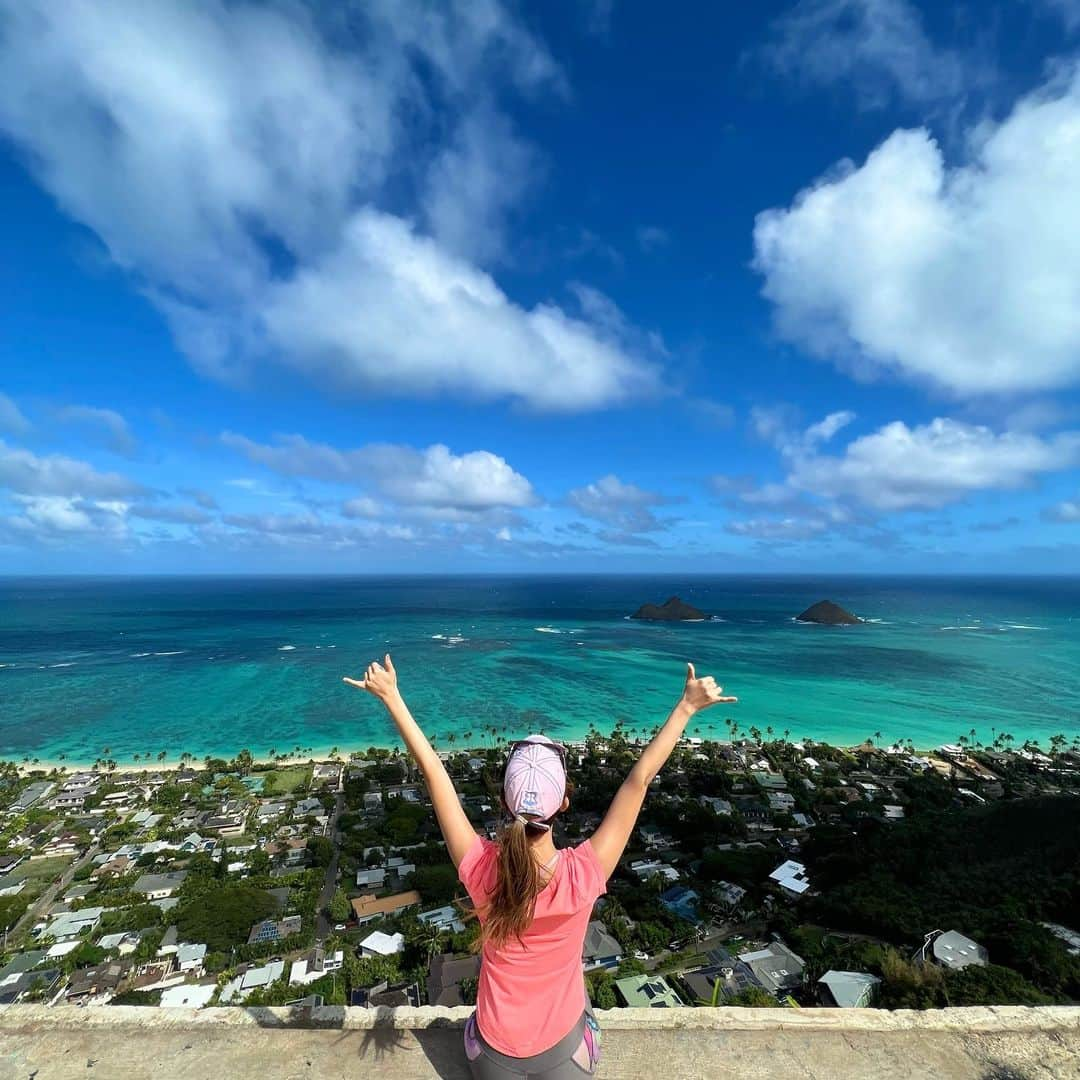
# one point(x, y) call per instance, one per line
point(992, 872)
point(223, 916)
point(286, 781)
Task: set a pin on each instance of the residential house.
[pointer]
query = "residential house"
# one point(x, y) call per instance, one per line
point(776, 968)
point(315, 965)
point(368, 907)
point(190, 959)
point(445, 918)
point(954, 951)
point(730, 895)
point(28, 836)
point(124, 942)
point(231, 824)
point(96, 985)
point(652, 836)
point(645, 868)
point(253, 978)
point(310, 808)
point(847, 989)
point(372, 877)
point(269, 811)
point(159, 886)
point(326, 773)
point(769, 780)
point(30, 795)
point(648, 991)
point(791, 877)
point(64, 844)
point(12, 884)
point(408, 792)
point(373, 800)
point(170, 942)
point(379, 944)
point(193, 843)
point(73, 923)
point(42, 982)
point(187, 996)
point(720, 980)
point(274, 929)
point(9, 862)
point(681, 901)
point(716, 805)
point(600, 950)
point(780, 802)
point(445, 975)
point(385, 994)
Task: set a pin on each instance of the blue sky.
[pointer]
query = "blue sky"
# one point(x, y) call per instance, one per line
point(540, 287)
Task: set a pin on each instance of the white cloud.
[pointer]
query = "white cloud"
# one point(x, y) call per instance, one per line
point(789, 528)
point(1066, 512)
point(233, 157)
point(776, 425)
point(52, 519)
point(879, 46)
point(474, 182)
point(27, 473)
point(434, 478)
point(903, 468)
point(107, 423)
point(652, 238)
point(966, 277)
point(1068, 10)
point(11, 418)
point(362, 507)
point(390, 311)
point(627, 508)
point(176, 514)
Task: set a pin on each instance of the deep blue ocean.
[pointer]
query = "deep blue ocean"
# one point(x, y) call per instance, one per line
point(214, 665)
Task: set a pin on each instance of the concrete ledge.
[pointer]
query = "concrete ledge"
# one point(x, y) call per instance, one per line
point(137, 1043)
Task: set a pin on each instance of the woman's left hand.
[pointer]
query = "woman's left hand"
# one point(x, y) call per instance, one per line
point(379, 679)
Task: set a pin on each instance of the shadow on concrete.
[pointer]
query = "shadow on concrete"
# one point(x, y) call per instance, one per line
point(440, 1041)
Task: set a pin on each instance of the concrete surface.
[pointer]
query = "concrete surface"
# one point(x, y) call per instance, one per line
point(130, 1043)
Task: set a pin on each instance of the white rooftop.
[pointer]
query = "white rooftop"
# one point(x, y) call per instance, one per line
point(791, 875)
point(384, 944)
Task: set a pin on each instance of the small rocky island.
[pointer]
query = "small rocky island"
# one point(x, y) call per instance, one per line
point(672, 610)
point(827, 613)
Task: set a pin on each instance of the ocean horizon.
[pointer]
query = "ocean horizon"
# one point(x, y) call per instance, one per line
point(213, 664)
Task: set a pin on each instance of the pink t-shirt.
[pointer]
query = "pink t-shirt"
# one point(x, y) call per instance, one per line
point(531, 993)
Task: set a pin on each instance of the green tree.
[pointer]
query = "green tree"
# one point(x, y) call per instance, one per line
point(320, 850)
point(753, 997)
point(339, 906)
point(601, 987)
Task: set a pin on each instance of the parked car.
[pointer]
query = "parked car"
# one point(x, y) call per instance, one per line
point(640, 954)
point(339, 927)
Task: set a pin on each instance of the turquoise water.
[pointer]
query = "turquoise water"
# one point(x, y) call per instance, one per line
point(215, 665)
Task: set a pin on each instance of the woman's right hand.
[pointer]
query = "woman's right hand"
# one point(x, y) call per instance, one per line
point(699, 694)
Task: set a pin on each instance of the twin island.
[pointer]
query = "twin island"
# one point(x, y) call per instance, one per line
point(824, 612)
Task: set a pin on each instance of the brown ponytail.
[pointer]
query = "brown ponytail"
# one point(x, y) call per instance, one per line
point(511, 904)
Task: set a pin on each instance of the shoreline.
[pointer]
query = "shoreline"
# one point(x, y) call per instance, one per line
point(344, 753)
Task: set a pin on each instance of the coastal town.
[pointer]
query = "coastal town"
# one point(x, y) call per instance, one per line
point(763, 872)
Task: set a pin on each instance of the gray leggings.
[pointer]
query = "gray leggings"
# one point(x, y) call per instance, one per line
point(572, 1057)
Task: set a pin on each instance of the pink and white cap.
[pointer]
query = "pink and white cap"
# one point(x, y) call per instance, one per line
point(534, 782)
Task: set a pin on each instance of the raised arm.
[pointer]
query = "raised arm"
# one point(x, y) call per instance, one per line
point(380, 680)
point(610, 839)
